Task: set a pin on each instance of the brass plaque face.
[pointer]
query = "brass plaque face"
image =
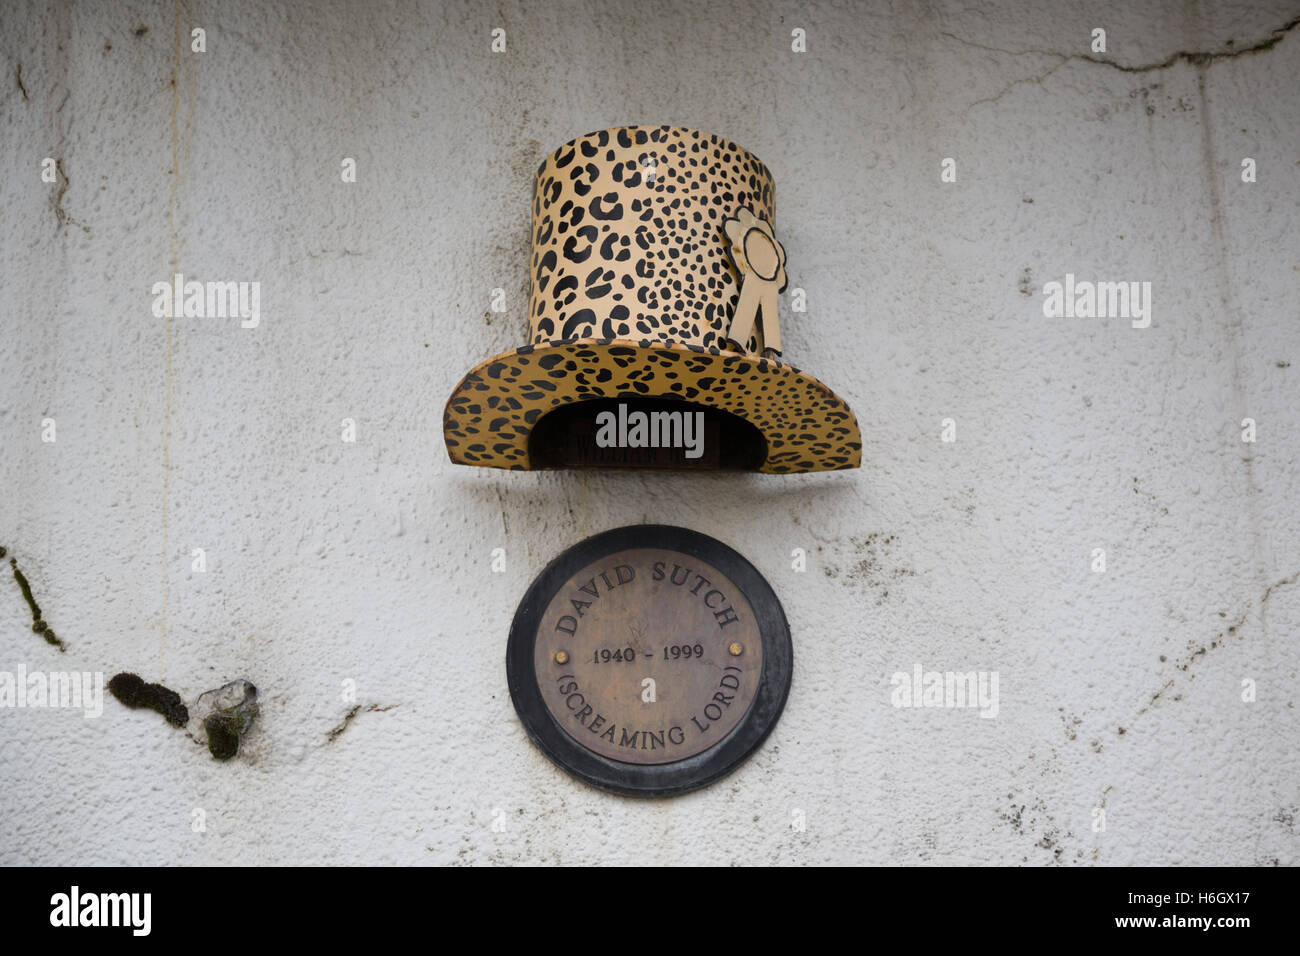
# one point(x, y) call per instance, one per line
point(649, 660)
point(648, 655)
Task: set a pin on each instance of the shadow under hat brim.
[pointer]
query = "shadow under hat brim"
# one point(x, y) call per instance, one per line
point(493, 411)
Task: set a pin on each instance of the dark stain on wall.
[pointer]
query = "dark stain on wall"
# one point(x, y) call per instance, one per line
point(133, 692)
point(39, 624)
point(228, 714)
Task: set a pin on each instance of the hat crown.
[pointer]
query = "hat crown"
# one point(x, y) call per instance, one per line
point(628, 237)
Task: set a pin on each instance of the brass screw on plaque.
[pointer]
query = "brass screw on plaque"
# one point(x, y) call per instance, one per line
point(561, 657)
point(736, 649)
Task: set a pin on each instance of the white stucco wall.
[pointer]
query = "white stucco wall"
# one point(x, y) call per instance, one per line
point(370, 561)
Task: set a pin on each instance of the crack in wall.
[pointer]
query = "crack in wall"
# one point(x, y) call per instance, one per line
point(1199, 58)
point(1231, 630)
point(1233, 324)
point(352, 714)
point(60, 213)
point(174, 250)
point(1268, 593)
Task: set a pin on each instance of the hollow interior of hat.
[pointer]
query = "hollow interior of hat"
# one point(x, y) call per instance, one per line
point(642, 433)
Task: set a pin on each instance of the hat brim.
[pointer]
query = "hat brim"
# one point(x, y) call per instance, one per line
point(492, 413)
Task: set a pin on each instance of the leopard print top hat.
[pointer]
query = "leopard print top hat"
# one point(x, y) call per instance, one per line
point(655, 281)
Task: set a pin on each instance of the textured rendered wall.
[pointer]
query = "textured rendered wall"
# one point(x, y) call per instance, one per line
point(371, 561)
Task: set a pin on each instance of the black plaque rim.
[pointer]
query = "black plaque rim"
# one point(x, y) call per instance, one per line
point(651, 780)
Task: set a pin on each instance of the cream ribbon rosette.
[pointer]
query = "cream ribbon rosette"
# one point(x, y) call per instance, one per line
point(760, 259)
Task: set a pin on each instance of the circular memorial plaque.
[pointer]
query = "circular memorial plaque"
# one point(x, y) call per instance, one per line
point(649, 660)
